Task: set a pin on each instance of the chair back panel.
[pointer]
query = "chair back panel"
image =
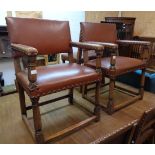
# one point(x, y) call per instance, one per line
point(47, 36)
point(146, 127)
point(100, 32)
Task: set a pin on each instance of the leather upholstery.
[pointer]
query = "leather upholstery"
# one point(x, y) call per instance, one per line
point(58, 77)
point(100, 32)
point(47, 36)
point(123, 65)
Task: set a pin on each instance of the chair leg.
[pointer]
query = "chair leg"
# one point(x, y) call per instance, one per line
point(37, 121)
point(97, 102)
point(1, 90)
point(154, 139)
point(80, 89)
point(84, 90)
point(110, 106)
point(70, 99)
point(142, 82)
point(63, 60)
point(22, 99)
point(103, 78)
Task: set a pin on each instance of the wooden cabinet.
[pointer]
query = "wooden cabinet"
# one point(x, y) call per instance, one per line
point(125, 30)
point(126, 26)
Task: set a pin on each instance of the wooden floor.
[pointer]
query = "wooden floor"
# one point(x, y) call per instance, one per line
point(59, 115)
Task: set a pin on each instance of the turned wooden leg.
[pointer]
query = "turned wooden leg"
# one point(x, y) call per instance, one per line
point(16, 84)
point(37, 121)
point(154, 139)
point(84, 91)
point(103, 79)
point(142, 82)
point(110, 106)
point(22, 99)
point(1, 90)
point(63, 60)
point(70, 99)
point(97, 101)
point(80, 89)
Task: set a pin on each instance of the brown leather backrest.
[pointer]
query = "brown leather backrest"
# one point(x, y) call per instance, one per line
point(47, 36)
point(100, 32)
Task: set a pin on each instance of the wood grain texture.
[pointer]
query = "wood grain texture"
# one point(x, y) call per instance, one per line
point(61, 115)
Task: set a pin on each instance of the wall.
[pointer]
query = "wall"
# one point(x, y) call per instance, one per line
point(144, 24)
point(97, 16)
point(2, 17)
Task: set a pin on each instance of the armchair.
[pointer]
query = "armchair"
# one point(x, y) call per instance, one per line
point(114, 65)
point(30, 37)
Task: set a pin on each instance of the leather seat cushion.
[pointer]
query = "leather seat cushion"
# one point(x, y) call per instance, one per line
point(58, 77)
point(123, 65)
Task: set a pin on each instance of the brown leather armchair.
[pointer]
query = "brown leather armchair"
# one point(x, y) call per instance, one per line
point(30, 37)
point(114, 65)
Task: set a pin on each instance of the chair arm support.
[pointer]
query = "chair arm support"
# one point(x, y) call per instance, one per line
point(134, 42)
point(28, 50)
point(32, 72)
point(88, 46)
point(31, 54)
point(113, 55)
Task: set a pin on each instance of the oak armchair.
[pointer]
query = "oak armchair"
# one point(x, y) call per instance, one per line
point(114, 65)
point(30, 37)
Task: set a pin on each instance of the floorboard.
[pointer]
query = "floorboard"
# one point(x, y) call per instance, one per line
point(58, 115)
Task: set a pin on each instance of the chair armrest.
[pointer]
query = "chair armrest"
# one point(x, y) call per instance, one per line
point(141, 47)
point(109, 45)
point(28, 50)
point(134, 42)
point(31, 53)
point(88, 46)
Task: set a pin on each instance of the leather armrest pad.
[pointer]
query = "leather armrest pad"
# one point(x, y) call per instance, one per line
point(105, 44)
point(28, 50)
point(130, 42)
point(88, 46)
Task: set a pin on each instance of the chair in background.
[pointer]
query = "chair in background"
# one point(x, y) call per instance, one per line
point(145, 130)
point(1, 90)
point(123, 135)
point(30, 37)
point(114, 65)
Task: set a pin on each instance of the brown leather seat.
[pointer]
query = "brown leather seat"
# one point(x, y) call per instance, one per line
point(63, 76)
point(30, 37)
point(123, 65)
